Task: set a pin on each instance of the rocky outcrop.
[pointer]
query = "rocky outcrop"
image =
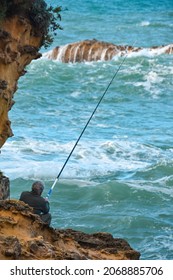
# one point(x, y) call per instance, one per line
point(24, 236)
point(4, 187)
point(18, 47)
point(93, 50)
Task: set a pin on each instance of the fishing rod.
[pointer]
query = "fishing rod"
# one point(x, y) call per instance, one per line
point(86, 125)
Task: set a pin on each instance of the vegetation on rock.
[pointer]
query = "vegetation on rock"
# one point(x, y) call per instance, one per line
point(43, 18)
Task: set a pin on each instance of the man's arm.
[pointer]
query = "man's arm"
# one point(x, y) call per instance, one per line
point(46, 206)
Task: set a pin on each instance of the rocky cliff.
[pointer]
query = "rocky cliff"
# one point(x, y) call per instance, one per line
point(17, 49)
point(22, 234)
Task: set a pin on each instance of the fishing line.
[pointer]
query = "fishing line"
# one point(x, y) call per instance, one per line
point(86, 125)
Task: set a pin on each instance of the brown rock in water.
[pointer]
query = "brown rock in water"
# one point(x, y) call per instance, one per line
point(24, 236)
point(94, 50)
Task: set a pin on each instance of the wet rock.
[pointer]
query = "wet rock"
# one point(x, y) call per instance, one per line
point(94, 50)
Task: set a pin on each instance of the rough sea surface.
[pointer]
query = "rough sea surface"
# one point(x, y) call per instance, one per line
point(120, 177)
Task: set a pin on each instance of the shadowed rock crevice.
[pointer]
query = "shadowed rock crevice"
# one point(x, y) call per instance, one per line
point(4, 187)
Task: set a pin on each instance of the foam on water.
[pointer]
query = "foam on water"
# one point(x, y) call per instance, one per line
point(145, 23)
point(33, 159)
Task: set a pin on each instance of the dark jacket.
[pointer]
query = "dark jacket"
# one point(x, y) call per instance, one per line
point(37, 202)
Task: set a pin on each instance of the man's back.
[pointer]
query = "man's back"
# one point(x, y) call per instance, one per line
point(38, 203)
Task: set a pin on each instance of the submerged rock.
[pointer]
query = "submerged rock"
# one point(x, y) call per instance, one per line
point(24, 236)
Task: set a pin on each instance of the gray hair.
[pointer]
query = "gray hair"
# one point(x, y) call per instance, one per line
point(38, 187)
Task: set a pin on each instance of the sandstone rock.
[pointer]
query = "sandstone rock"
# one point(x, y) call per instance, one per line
point(18, 47)
point(24, 236)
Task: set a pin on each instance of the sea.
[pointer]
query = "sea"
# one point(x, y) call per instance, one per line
point(119, 178)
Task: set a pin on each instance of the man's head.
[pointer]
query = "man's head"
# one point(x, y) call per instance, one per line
point(37, 187)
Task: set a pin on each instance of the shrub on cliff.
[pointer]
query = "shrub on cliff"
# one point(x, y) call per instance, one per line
point(44, 18)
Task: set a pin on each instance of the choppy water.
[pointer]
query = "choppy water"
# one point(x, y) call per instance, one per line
point(120, 177)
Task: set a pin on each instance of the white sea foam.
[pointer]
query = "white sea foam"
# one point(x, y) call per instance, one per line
point(145, 23)
point(76, 94)
point(45, 159)
point(150, 52)
point(47, 55)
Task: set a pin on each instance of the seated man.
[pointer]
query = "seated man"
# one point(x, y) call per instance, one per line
point(37, 202)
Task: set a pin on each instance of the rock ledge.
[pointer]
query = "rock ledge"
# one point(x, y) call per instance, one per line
point(23, 236)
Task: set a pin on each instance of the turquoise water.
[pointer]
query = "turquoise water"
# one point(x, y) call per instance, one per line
point(120, 176)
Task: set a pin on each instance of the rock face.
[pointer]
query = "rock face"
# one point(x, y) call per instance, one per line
point(4, 187)
point(18, 47)
point(24, 236)
point(93, 50)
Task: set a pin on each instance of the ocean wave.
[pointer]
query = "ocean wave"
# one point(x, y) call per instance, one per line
point(44, 159)
point(151, 52)
point(145, 23)
point(154, 24)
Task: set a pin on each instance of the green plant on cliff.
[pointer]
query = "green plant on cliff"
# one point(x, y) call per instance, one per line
point(44, 18)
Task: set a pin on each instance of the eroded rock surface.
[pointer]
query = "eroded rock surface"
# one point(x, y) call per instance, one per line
point(24, 236)
point(18, 47)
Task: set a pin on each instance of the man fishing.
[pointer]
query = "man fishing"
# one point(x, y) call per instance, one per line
point(39, 204)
